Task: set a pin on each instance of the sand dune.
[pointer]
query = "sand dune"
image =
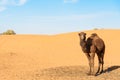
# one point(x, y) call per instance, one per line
point(21, 54)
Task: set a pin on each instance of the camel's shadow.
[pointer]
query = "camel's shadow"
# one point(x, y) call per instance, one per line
point(74, 71)
point(110, 69)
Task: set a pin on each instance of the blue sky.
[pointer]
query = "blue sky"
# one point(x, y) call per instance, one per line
point(58, 16)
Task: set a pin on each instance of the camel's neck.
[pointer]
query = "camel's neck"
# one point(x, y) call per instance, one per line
point(82, 43)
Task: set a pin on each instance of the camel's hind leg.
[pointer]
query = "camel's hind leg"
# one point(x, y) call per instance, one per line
point(101, 63)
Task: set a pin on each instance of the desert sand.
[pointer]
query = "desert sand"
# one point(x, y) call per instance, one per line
point(56, 57)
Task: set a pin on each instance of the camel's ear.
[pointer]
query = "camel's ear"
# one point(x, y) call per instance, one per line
point(79, 34)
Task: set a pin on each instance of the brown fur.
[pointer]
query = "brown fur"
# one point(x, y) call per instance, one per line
point(93, 44)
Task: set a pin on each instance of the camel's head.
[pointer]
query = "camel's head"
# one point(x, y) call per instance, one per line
point(82, 35)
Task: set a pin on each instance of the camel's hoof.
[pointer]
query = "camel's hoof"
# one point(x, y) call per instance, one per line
point(101, 72)
point(96, 74)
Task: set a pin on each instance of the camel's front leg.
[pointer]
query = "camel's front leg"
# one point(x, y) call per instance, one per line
point(92, 56)
point(88, 57)
point(91, 64)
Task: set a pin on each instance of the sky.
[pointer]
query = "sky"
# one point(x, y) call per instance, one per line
point(58, 16)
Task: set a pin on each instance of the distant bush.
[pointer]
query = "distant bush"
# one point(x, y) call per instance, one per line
point(9, 32)
point(96, 29)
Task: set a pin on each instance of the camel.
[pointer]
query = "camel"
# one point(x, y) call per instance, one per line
point(93, 44)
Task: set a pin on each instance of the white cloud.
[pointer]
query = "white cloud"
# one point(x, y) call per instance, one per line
point(70, 1)
point(5, 3)
point(92, 15)
point(2, 9)
point(22, 2)
point(19, 3)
